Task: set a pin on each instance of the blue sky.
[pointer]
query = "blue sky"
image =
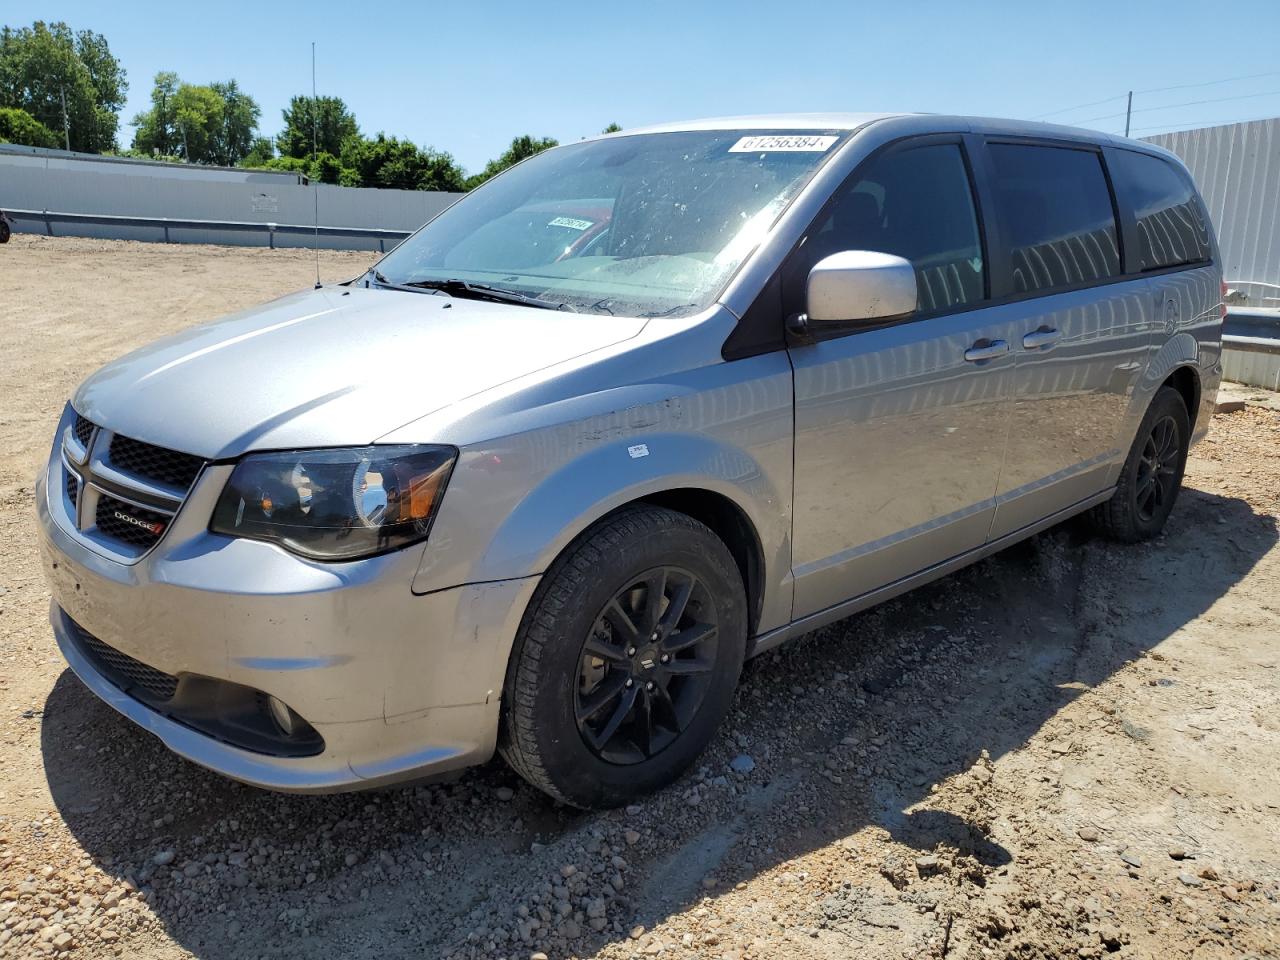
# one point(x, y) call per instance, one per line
point(468, 77)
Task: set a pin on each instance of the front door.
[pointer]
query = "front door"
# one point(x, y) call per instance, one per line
point(900, 430)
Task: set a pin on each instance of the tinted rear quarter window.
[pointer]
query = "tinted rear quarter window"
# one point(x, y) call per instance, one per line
point(1172, 229)
point(1055, 208)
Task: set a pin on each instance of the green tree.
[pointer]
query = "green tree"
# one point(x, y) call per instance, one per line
point(45, 65)
point(197, 115)
point(612, 128)
point(326, 168)
point(156, 130)
point(200, 124)
point(390, 162)
point(18, 126)
point(260, 152)
point(521, 148)
point(291, 164)
point(334, 126)
point(234, 138)
point(133, 154)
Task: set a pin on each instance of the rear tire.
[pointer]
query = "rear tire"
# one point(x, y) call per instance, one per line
point(1152, 473)
point(626, 660)
point(4, 232)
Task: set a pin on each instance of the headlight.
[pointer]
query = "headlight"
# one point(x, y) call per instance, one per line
point(335, 504)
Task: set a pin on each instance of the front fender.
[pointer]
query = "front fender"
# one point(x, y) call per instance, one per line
point(568, 500)
point(610, 476)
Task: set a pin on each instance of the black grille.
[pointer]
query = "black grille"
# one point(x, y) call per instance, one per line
point(73, 489)
point(155, 463)
point(124, 521)
point(83, 429)
point(124, 671)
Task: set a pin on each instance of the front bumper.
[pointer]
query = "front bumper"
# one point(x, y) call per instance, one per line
point(398, 685)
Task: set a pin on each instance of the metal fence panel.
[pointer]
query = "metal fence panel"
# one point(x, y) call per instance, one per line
point(132, 166)
point(76, 187)
point(1237, 168)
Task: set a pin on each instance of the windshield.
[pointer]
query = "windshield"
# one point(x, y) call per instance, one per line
point(643, 225)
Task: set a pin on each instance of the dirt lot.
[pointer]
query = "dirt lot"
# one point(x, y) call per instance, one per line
point(1071, 749)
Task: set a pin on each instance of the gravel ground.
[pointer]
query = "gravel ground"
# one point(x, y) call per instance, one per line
point(1070, 749)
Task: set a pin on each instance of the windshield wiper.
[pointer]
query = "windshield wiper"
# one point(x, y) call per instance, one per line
point(477, 291)
point(382, 281)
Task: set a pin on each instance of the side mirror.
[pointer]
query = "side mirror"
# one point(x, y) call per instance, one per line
point(860, 286)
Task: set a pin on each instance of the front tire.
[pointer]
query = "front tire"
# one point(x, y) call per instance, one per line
point(626, 660)
point(1152, 473)
point(4, 232)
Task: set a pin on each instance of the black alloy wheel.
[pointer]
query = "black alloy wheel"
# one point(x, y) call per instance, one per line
point(1159, 469)
point(626, 658)
point(645, 666)
point(1151, 476)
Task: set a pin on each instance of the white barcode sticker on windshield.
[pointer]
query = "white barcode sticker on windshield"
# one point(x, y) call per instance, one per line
point(804, 143)
point(573, 223)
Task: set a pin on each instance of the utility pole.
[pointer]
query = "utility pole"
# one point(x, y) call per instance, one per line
point(66, 124)
point(1128, 111)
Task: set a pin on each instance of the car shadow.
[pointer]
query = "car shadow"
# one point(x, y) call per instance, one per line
point(847, 728)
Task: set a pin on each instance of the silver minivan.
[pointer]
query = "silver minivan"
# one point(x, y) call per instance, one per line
point(634, 411)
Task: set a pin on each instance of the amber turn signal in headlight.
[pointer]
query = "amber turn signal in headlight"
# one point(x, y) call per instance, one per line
point(336, 504)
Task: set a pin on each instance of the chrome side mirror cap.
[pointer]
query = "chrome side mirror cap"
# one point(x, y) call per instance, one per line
point(860, 286)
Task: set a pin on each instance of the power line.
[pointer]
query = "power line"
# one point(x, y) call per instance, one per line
point(1187, 103)
point(1170, 127)
point(1079, 106)
point(1179, 86)
point(1210, 83)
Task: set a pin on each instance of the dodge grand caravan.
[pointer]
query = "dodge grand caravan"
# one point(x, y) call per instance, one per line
point(635, 410)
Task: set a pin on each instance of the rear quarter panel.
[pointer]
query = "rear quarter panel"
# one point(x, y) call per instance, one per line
point(1190, 336)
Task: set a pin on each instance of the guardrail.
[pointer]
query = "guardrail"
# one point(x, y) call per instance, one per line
point(1251, 346)
point(50, 217)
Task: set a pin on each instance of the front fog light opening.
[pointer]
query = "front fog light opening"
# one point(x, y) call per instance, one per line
point(288, 721)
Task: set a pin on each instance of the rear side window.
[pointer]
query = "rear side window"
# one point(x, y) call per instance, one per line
point(915, 203)
point(1055, 207)
point(1171, 223)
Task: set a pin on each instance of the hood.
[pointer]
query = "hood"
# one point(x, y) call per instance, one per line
point(338, 366)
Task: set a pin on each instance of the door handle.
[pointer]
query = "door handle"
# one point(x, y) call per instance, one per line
point(986, 350)
point(1041, 339)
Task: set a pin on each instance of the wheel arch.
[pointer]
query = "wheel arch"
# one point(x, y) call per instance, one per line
point(728, 521)
point(1185, 378)
point(1177, 364)
point(744, 500)
point(717, 511)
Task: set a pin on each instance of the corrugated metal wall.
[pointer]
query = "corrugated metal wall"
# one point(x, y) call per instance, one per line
point(1237, 168)
point(129, 166)
point(75, 187)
